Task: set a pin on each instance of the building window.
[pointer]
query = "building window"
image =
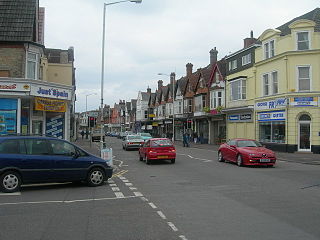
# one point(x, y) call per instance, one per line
point(304, 80)
point(272, 131)
point(238, 89)
point(145, 114)
point(180, 107)
point(204, 101)
point(216, 99)
point(216, 77)
point(303, 41)
point(197, 104)
point(163, 110)
point(246, 59)
point(232, 64)
point(189, 105)
point(270, 83)
point(269, 49)
point(32, 65)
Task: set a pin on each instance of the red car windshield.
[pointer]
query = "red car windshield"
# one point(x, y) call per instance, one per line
point(248, 143)
point(161, 143)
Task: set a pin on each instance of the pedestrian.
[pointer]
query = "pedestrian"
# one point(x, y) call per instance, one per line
point(185, 140)
point(195, 137)
point(82, 134)
point(87, 134)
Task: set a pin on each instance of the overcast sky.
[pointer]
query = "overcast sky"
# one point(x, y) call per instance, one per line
point(156, 36)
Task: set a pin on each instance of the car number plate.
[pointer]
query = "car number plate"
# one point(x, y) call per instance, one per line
point(264, 160)
point(162, 156)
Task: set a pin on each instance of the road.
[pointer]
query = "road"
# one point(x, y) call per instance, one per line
point(197, 198)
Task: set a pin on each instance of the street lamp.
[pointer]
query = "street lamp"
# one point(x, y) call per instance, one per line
point(173, 87)
point(102, 62)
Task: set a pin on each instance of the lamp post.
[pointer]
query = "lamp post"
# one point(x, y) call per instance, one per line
point(173, 87)
point(102, 62)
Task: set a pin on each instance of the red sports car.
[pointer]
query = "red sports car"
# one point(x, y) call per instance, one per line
point(246, 152)
point(157, 149)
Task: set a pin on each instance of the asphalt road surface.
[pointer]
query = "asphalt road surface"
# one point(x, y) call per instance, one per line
point(197, 198)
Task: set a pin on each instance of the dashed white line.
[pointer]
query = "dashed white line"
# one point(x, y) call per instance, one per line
point(119, 194)
point(183, 237)
point(122, 178)
point(172, 226)
point(115, 189)
point(152, 205)
point(125, 180)
point(110, 181)
point(138, 194)
point(132, 188)
point(144, 199)
point(112, 185)
point(162, 215)
point(128, 184)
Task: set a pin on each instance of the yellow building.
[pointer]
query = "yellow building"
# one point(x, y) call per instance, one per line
point(283, 87)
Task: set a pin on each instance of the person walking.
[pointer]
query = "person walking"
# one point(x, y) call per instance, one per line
point(82, 134)
point(185, 140)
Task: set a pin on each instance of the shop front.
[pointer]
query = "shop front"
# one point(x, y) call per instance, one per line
point(240, 124)
point(38, 109)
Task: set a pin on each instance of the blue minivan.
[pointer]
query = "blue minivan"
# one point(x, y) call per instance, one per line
point(35, 159)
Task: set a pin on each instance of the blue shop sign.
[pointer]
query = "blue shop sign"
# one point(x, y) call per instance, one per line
point(272, 104)
point(272, 116)
point(234, 117)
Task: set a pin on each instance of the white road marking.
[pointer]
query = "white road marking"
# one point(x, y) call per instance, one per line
point(62, 201)
point(138, 194)
point(112, 185)
point(152, 205)
point(132, 188)
point(144, 199)
point(122, 178)
point(10, 194)
point(110, 181)
point(119, 194)
point(183, 237)
point(128, 184)
point(162, 215)
point(202, 159)
point(115, 189)
point(172, 226)
point(125, 180)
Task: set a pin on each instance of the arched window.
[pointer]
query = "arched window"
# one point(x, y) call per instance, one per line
point(304, 117)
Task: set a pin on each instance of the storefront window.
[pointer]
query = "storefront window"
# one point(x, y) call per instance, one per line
point(8, 116)
point(272, 131)
point(25, 111)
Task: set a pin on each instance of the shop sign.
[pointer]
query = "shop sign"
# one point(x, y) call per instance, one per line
point(272, 116)
point(271, 104)
point(50, 105)
point(17, 87)
point(245, 117)
point(152, 115)
point(50, 92)
point(304, 101)
point(155, 124)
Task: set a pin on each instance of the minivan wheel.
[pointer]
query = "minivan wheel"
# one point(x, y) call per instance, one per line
point(10, 182)
point(96, 177)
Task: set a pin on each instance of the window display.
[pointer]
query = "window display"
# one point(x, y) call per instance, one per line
point(272, 131)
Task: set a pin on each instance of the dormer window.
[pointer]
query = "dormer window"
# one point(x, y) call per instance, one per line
point(268, 49)
point(233, 65)
point(303, 42)
point(246, 59)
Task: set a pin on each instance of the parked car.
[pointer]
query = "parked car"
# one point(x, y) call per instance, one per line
point(246, 152)
point(145, 136)
point(157, 149)
point(45, 159)
point(96, 135)
point(132, 142)
point(122, 135)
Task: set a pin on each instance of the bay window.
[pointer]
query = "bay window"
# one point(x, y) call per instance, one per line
point(238, 89)
point(32, 65)
point(217, 99)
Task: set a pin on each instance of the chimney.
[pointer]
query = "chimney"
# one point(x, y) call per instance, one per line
point(213, 56)
point(172, 77)
point(149, 90)
point(189, 69)
point(160, 82)
point(249, 41)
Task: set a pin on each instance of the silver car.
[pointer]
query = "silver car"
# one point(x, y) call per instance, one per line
point(132, 142)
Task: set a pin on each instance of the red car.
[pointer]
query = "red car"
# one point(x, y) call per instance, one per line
point(246, 152)
point(157, 149)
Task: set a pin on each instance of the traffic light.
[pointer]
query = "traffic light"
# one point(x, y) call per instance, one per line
point(91, 121)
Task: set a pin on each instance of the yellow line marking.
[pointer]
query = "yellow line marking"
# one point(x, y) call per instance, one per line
point(118, 174)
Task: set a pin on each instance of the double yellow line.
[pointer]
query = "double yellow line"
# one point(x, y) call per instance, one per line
point(118, 174)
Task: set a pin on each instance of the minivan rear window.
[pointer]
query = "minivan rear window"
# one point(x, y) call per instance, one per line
point(11, 146)
point(161, 143)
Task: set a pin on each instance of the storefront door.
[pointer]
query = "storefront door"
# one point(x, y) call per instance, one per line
point(37, 127)
point(304, 133)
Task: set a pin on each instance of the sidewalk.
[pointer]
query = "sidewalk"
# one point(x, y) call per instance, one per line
point(304, 158)
point(85, 144)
